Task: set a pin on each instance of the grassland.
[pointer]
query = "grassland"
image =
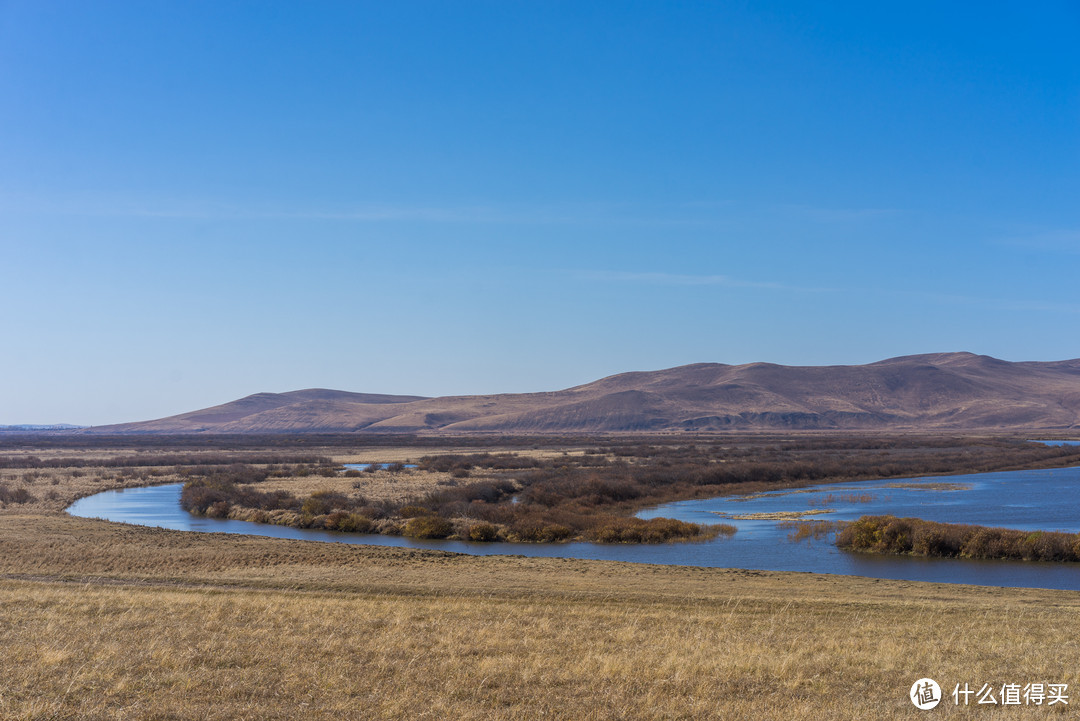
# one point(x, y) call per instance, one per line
point(106, 621)
point(101, 621)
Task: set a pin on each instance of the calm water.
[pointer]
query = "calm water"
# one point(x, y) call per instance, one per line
point(365, 466)
point(1036, 500)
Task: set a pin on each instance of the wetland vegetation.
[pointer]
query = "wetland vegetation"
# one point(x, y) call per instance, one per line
point(588, 494)
point(917, 537)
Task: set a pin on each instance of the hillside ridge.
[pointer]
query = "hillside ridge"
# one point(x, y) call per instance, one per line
point(946, 391)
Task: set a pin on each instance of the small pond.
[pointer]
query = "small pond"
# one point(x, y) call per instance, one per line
point(377, 466)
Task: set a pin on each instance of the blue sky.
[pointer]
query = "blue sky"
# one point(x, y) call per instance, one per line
point(202, 200)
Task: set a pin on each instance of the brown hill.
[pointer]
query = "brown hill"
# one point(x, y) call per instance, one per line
point(959, 391)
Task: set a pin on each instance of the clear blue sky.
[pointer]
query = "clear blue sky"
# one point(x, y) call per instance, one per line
point(202, 200)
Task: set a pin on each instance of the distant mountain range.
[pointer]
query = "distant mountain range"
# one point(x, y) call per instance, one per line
point(33, 427)
point(946, 391)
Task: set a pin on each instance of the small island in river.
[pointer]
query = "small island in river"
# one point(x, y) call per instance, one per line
point(916, 537)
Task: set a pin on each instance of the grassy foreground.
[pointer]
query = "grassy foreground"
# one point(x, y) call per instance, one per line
point(100, 620)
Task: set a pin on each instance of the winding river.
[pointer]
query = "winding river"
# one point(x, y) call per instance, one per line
point(1030, 500)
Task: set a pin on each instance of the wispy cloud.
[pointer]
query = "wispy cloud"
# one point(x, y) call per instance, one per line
point(677, 279)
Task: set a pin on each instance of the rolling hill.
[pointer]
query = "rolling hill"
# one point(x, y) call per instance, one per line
point(947, 391)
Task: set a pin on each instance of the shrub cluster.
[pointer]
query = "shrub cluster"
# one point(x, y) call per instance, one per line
point(428, 527)
point(231, 473)
point(536, 531)
point(198, 496)
point(483, 532)
point(333, 511)
point(323, 502)
point(654, 530)
point(914, 536)
point(449, 462)
point(15, 495)
point(348, 522)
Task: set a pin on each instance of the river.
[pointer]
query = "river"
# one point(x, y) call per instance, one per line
point(1035, 500)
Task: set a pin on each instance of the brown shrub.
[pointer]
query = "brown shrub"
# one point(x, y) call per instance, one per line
point(219, 509)
point(348, 522)
point(483, 532)
point(428, 527)
point(15, 495)
point(654, 530)
point(887, 534)
point(535, 532)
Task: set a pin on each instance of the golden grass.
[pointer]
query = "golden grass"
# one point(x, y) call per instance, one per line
point(108, 621)
point(945, 486)
point(108, 652)
point(381, 485)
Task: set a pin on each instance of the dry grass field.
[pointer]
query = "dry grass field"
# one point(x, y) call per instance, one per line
point(106, 621)
point(382, 485)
